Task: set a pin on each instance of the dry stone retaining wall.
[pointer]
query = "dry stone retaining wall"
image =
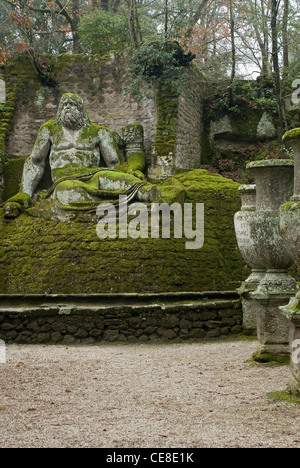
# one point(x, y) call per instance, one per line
point(129, 323)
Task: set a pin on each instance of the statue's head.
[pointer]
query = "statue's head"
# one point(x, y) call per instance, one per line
point(72, 112)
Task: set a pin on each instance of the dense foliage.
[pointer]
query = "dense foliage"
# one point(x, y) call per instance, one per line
point(102, 32)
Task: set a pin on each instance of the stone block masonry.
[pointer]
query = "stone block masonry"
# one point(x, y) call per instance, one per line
point(189, 126)
point(99, 81)
point(135, 322)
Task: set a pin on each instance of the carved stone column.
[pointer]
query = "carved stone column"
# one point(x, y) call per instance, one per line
point(247, 249)
point(274, 186)
point(133, 136)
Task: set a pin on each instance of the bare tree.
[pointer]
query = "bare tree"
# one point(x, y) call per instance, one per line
point(280, 104)
point(285, 34)
point(233, 50)
point(69, 9)
point(134, 22)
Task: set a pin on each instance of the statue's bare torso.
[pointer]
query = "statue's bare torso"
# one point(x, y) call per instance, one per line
point(73, 148)
point(83, 148)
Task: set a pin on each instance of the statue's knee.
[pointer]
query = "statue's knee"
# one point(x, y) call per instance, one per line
point(71, 191)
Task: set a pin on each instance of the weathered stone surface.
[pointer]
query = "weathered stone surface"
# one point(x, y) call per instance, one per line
point(242, 222)
point(150, 324)
point(274, 184)
point(290, 232)
point(2, 92)
point(101, 86)
point(266, 129)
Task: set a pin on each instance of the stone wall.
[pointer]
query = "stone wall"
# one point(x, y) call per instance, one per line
point(204, 319)
point(189, 126)
point(100, 82)
point(2, 101)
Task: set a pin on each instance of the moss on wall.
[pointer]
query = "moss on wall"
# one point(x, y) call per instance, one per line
point(62, 61)
point(13, 170)
point(167, 107)
point(41, 256)
point(7, 113)
point(18, 71)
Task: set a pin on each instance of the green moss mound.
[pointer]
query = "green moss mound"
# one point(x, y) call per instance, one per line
point(39, 256)
point(284, 395)
point(263, 357)
point(291, 134)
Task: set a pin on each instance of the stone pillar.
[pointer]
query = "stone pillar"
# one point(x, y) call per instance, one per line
point(274, 185)
point(247, 249)
point(2, 91)
point(133, 136)
point(290, 232)
point(162, 162)
point(135, 156)
point(292, 314)
point(2, 101)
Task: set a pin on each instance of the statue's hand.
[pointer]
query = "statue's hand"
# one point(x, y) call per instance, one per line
point(15, 205)
point(12, 210)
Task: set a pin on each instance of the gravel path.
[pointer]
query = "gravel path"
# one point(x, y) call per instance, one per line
point(156, 396)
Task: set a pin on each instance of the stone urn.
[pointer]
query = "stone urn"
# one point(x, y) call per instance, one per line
point(247, 249)
point(290, 211)
point(290, 232)
point(274, 186)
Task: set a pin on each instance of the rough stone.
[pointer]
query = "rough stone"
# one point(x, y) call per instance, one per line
point(266, 129)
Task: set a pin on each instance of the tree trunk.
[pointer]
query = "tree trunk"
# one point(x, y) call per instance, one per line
point(134, 24)
point(285, 34)
point(105, 5)
point(196, 17)
point(233, 51)
point(137, 23)
point(166, 20)
point(280, 105)
point(132, 27)
point(75, 26)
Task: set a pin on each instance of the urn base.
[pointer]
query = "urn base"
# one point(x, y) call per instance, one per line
point(291, 312)
point(273, 292)
point(249, 305)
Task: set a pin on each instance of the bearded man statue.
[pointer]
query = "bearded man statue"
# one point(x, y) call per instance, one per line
point(87, 166)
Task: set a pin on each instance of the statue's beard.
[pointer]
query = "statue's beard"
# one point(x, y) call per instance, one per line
point(71, 120)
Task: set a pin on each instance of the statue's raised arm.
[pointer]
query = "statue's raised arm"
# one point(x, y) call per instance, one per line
point(35, 165)
point(108, 148)
point(32, 175)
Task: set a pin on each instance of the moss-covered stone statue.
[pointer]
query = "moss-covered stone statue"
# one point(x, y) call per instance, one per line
point(87, 166)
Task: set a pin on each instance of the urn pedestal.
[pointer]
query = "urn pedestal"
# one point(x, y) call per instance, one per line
point(133, 136)
point(162, 162)
point(290, 232)
point(274, 186)
point(247, 249)
point(292, 314)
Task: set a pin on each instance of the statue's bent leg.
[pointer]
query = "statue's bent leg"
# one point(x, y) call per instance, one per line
point(70, 192)
point(118, 181)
